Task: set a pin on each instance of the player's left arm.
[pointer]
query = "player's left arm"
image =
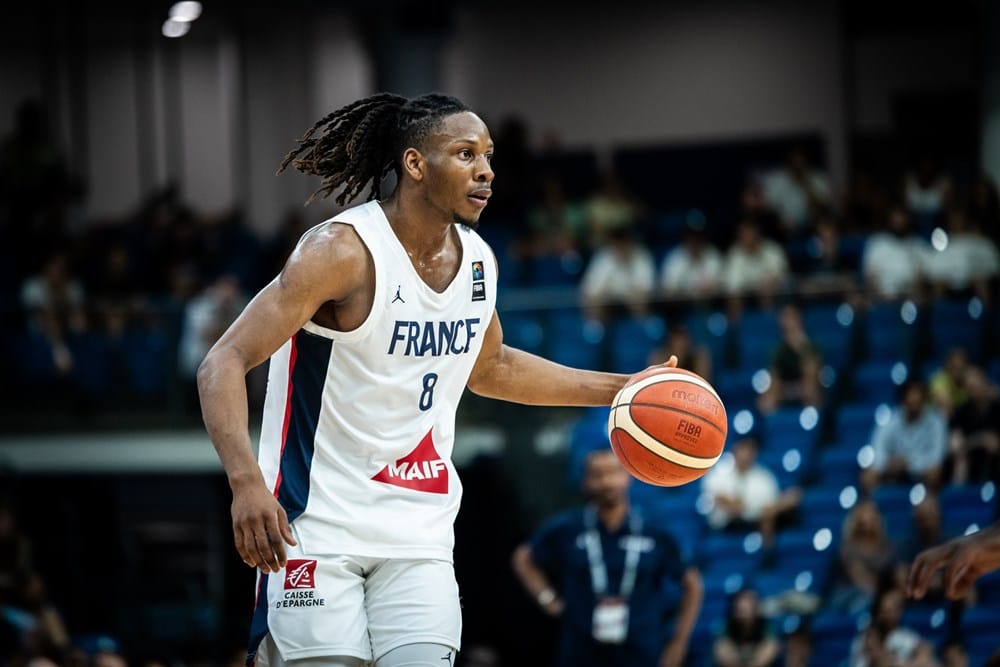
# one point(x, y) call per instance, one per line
point(692, 593)
point(509, 374)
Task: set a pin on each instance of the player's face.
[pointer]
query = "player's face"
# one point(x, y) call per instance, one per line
point(459, 176)
point(605, 480)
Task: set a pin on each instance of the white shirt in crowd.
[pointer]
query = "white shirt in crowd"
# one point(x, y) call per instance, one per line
point(612, 276)
point(789, 198)
point(894, 264)
point(684, 273)
point(756, 489)
point(966, 258)
point(749, 271)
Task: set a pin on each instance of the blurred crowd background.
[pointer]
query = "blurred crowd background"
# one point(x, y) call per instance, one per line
point(800, 200)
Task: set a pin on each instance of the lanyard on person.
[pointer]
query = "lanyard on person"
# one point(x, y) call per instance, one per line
point(595, 555)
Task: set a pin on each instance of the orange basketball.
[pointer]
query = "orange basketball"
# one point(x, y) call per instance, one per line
point(668, 426)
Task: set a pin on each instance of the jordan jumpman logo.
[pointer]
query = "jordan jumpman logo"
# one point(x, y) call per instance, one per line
point(398, 297)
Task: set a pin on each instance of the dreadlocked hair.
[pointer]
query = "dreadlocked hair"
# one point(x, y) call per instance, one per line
point(364, 140)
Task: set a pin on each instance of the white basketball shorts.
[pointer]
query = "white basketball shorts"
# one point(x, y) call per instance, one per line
point(356, 606)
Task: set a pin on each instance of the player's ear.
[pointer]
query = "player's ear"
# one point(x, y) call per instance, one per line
point(413, 164)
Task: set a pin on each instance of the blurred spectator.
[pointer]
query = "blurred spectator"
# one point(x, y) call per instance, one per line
point(946, 385)
point(206, 317)
point(746, 495)
point(108, 658)
point(953, 654)
point(895, 260)
point(912, 445)
point(41, 624)
point(516, 175)
point(865, 555)
point(557, 225)
point(984, 207)
point(974, 440)
point(615, 618)
point(747, 640)
point(798, 648)
point(797, 191)
point(279, 246)
point(795, 367)
point(967, 263)
point(692, 270)
point(865, 204)
point(692, 357)
point(826, 264)
point(610, 209)
point(885, 642)
point(15, 552)
point(927, 191)
point(620, 274)
point(755, 266)
point(54, 301)
point(754, 207)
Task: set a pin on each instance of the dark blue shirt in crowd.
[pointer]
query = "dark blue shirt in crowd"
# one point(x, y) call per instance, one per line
point(558, 548)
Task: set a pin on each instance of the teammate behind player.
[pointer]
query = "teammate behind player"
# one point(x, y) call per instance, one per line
point(378, 321)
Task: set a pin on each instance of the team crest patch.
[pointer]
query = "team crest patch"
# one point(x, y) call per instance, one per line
point(300, 574)
point(477, 271)
point(479, 291)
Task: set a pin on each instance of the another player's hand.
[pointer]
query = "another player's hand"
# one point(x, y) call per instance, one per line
point(959, 559)
point(260, 528)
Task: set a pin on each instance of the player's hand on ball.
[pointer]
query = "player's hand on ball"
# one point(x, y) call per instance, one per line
point(260, 528)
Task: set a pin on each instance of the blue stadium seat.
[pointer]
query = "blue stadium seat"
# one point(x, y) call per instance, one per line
point(632, 341)
point(831, 328)
point(854, 423)
point(710, 329)
point(786, 427)
point(735, 388)
point(524, 330)
point(758, 334)
point(574, 341)
point(147, 356)
point(788, 464)
point(838, 467)
point(893, 502)
point(887, 335)
point(878, 381)
point(930, 621)
point(554, 271)
point(958, 323)
point(820, 507)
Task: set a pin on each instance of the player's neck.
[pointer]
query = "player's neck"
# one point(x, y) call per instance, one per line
point(613, 515)
point(422, 233)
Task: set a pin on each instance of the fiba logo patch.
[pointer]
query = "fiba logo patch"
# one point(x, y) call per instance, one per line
point(477, 271)
point(300, 574)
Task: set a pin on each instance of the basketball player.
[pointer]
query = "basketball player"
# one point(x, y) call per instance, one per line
point(379, 320)
point(601, 570)
point(963, 560)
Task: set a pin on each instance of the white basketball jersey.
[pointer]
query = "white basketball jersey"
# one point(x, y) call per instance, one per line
point(358, 426)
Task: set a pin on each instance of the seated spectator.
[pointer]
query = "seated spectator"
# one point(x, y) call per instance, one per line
point(795, 367)
point(798, 648)
point(206, 317)
point(753, 207)
point(953, 654)
point(690, 356)
point(621, 274)
point(865, 555)
point(826, 267)
point(974, 439)
point(755, 267)
point(54, 301)
point(984, 207)
point(747, 640)
point(14, 553)
point(746, 495)
point(912, 445)
point(946, 385)
point(796, 191)
point(42, 626)
point(927, 191)
point(895, 260)
point(967, 263)
point(556, 225)
point(692, 270)
point(886, 642)
point(610, 208)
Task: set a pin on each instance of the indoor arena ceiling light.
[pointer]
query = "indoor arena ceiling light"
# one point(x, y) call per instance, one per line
point(185, 12)
point(172, 28)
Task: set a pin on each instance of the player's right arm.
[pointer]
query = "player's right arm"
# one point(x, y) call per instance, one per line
point(330, 264)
